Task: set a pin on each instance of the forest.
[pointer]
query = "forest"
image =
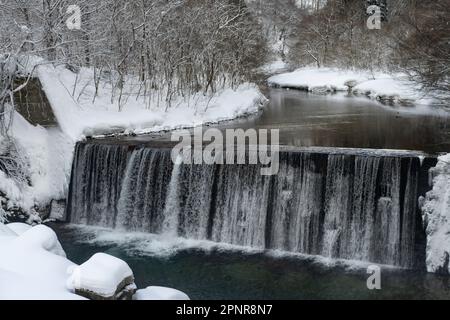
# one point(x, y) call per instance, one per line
point(187, 46)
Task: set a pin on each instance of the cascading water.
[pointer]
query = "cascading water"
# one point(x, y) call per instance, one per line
point(339, 205)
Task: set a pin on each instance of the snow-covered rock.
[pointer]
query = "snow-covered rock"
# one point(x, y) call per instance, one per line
point(436, 216)
point(160, 293)
point(102, 277)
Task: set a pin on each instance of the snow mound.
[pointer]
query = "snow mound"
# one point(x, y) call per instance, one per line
point(29, 268)
point(42, 237)
point(436, 216)
point(159, 293)
point(102, 274)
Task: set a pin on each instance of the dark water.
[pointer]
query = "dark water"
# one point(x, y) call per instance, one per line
point(217, 273)
point(306, 120)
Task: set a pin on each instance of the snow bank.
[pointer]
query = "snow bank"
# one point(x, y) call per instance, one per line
point(160, 293)
point(393, 89)
point(29, 267)
point(72, 100)
point(46, 155)
point(436, 216)
point(312, 79)
point(378, 86)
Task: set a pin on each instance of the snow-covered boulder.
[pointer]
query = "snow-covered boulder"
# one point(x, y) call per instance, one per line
point(160, 293)
point(436, 216)
point(102, 277)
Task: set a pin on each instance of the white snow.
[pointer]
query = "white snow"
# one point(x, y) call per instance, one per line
point(79, 116)
point(18, 228)
point(436, 215)
point(46, 154)
point(376, 85)
point(395, 89)
point(312, 78)
point(101, 274)
point(159, 293)
point(6, 232)
point(32, 264)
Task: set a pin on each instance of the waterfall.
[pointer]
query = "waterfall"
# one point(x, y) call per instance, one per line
point(338, 205)
point(172, 209)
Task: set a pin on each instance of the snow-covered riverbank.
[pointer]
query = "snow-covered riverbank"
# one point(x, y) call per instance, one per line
point(379, 86)
point(80, 114)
